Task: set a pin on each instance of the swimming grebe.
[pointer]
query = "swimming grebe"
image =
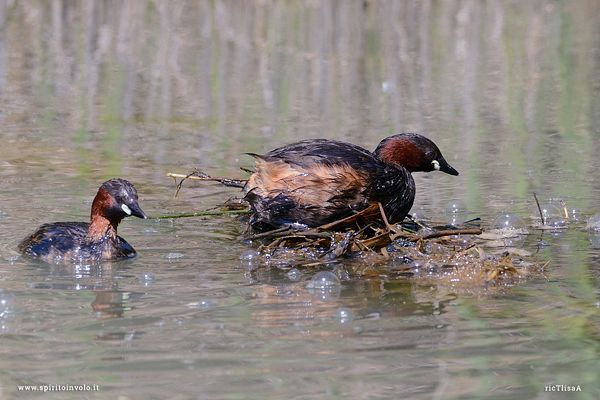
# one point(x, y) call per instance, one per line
point(94, 241)
point(317, 181)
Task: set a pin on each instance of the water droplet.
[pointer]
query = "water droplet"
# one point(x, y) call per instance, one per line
point(324, 280)
point(593, 223)
point(509, 222)
point(343, 316)
point(294, 275)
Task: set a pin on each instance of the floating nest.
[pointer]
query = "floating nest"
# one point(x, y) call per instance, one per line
point(367, 246)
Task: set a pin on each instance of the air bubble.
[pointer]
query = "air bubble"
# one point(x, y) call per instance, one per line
point(294, 275)
point(508, 222)
point(594, 237)
point(548, 211)
point(324, 280)
point(343, 316)
point(419, 214)
point(559, 223)
point(593, 223)
point(575, 214)
point(147, 278)
point(250, 255)
point(324, 286)
point(456, 212)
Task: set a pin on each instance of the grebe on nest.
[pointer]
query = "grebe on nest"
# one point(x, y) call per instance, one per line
point(317, 181)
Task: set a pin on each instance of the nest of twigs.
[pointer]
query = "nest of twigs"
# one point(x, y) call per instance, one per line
point(369, 246)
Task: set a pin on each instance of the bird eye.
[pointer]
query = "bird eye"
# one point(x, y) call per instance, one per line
point(430, 155)
point(119, 199)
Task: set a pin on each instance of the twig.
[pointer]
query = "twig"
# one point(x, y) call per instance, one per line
point(448, 233)
point(384, 217)
point(200, 214)
point(564, 206)
point(282, 237)
point(204, 177)
point(491, 276)
point(336, 225)
point(539, 208)
point(545, 265)
point(418, 223)
point(273, 233)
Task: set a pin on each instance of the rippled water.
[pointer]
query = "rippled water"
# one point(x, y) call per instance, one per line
point(508, 91)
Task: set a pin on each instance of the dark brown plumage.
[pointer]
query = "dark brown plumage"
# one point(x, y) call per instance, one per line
point(313, 182)
point(94, 241)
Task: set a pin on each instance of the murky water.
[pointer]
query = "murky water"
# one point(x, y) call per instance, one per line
point(508, 90)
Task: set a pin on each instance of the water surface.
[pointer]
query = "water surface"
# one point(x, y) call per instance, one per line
point(508, 91)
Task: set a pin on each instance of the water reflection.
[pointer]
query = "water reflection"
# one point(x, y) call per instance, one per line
point(113, 304)
point(93, 90)
point(11, 313)
point(195, 73)
point(100, 279)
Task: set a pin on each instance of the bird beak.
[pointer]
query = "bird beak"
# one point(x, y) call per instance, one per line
point(136, 211)
point(447, 168)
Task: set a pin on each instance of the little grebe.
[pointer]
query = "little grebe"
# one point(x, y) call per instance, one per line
point(317, 181)
point(94, 241)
